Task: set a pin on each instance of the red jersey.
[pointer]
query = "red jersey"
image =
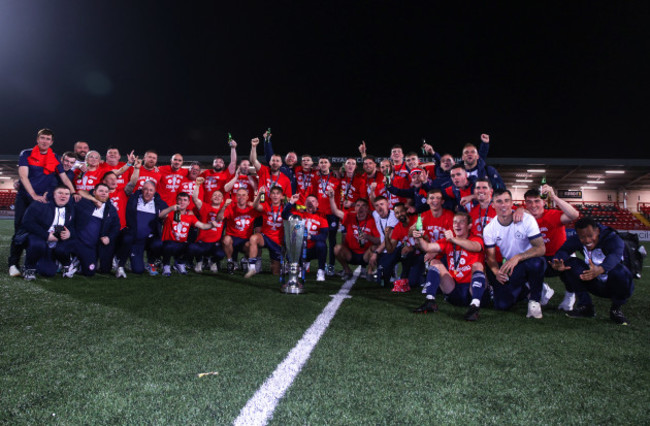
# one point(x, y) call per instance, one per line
point(208, 214)
point(349, 190)
point(314, 223)
point(480, 218)
point(553, 231)
point(272, 225)
point(169, 182)
point(239, 222)
point(401, 233)
point(269, 181)
point(319, 188)
point(354, 227)
point(87, 181)
point(460, 261)
point(122, 179)
point(401, 179)
point(187, 186)
point(242, 182)
point(177, 231)
point(435, 227)
point(304, 180)
point(119, 199)
point(214, 181)
point(148, 175)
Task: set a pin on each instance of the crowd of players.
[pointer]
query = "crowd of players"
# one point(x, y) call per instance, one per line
point(452, 227)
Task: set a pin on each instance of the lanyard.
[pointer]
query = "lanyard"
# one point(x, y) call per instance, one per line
point(275, 214)
point(273, 182)
point(457, 255)
point(324, 187)
point(485, 218)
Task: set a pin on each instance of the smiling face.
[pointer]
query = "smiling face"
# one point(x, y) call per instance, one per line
point(194, 172)
point(369, 166)
point(470, 156)
point(503, 205)
point(412, 161)
point(81, 149)
point(401, 214)
point(183, 201)
point(461, 225)
point(217, 198)
point(275, 163)
point(177, 161)
point(397, 155)
point(67, 162)
point(483, 192)
point(535, 205)
point(93, 158)
point(434, 201)
point(312, 204)
point(218, 164)
point(307, 163)
point(113, 156)
point(150, 160)
point(291, 159)
point(101, 192)
point(589, 236)
point(148, 191)
point(44, 142)
point(381, 207)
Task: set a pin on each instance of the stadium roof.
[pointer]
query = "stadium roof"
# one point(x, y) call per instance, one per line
point(561, 173)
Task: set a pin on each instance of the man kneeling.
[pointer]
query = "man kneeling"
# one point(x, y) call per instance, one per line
point(463, 283)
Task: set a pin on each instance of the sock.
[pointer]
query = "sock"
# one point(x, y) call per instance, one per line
point(432, 283)
point(478, 287)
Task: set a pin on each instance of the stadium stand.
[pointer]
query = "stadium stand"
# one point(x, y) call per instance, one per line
point(610, 214)
point(7, 198)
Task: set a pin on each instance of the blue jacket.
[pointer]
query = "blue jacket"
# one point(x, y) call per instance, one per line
point(609, 249)
point(132, 214)
point(110, 223)
point(40, 216)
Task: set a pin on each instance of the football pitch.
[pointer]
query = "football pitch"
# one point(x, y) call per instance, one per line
point(107, 351)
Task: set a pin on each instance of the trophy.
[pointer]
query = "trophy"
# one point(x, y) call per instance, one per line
point(293, 277)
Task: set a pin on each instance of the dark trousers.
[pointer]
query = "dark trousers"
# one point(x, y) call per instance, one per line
point(529, 271)
point(200, 249)
point(133, 249)
point(333, 222)
point(16, 248)
point(40, 256)
point(619, 285)
point(176, 249)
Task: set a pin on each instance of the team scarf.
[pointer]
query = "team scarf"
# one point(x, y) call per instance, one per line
point(47, 161)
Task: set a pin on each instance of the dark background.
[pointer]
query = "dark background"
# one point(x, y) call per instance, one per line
point(543, 79)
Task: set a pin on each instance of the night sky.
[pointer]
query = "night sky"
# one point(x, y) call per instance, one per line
point(563, 80)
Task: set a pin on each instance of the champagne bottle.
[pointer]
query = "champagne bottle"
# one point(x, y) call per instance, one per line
point(229, 138)
point(418, 224)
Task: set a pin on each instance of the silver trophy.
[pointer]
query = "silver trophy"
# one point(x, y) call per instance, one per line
point(294, 240)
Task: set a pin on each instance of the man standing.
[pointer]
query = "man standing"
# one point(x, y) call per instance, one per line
point(149, 171)
point(38, 169)
point(603, 274)
point(170, 179)
point(522, 248)
point(325, 183)
point(270, 176)
point(216, 178)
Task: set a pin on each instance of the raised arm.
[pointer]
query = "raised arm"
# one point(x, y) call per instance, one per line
point(195, 194)
point(569, 213)
point(335, 210)
point(233, 157)
point(253, 156)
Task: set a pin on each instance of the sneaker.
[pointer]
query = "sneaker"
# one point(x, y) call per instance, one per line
point(567, 303)
point(615, 314)
point(230, 267)
point(547, 293)
point(180, 268)
point(243, 264)
point(307, 266)
point(534, 310)
point(582, 311)
point(472, 313)
point(153, 271)
point(198, 268)
point(115, 264)
point(14, 271)
point(429, 305)
point(251, 272)
point(214, 268)
point(167, 271)
point(120, 272)
point(30, 274)
point(329, 270)
point(320, 275)
point(69, 271)
point(258, 265)
point(363, 274)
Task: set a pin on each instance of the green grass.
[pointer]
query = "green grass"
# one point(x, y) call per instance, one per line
point(111, 351)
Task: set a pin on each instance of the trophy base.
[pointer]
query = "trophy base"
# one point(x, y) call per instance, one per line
point(292, 289)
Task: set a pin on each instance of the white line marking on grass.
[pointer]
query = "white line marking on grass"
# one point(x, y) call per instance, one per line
point(259, 409)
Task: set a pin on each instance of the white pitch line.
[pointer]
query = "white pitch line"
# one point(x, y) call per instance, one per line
point(259, 409)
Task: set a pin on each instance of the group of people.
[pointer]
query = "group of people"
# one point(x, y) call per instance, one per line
point(452, 226)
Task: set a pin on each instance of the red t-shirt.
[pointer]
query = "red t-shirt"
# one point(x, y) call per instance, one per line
point(242, 182)
point(401, 179)
point(553, 231)
point(214, 181)
point(463, 193)
point(177, 231)
point(314, 223)
point(435, 227)
point(122, 179)
point(239, 222)
point(169, 183)
point(272, 225)
point(349, 190)
point(401, 233)
point(480, 218)
point(149, 175)
point(353, 228)
point(187, 186)
point(319, 188)
point(269, 181)
point(87, 181)
point(460, 261)
point(304, 180)
point(208, 214)
point(119, 199)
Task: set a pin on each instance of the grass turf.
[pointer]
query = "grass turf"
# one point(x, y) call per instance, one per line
point(103, 350)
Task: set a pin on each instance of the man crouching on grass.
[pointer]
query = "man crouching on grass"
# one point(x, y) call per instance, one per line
point(360, 238)
point(463, 282)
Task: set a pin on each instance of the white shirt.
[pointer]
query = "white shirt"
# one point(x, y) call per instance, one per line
point(382, 224)
point(512, 239)
point(59, 218)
